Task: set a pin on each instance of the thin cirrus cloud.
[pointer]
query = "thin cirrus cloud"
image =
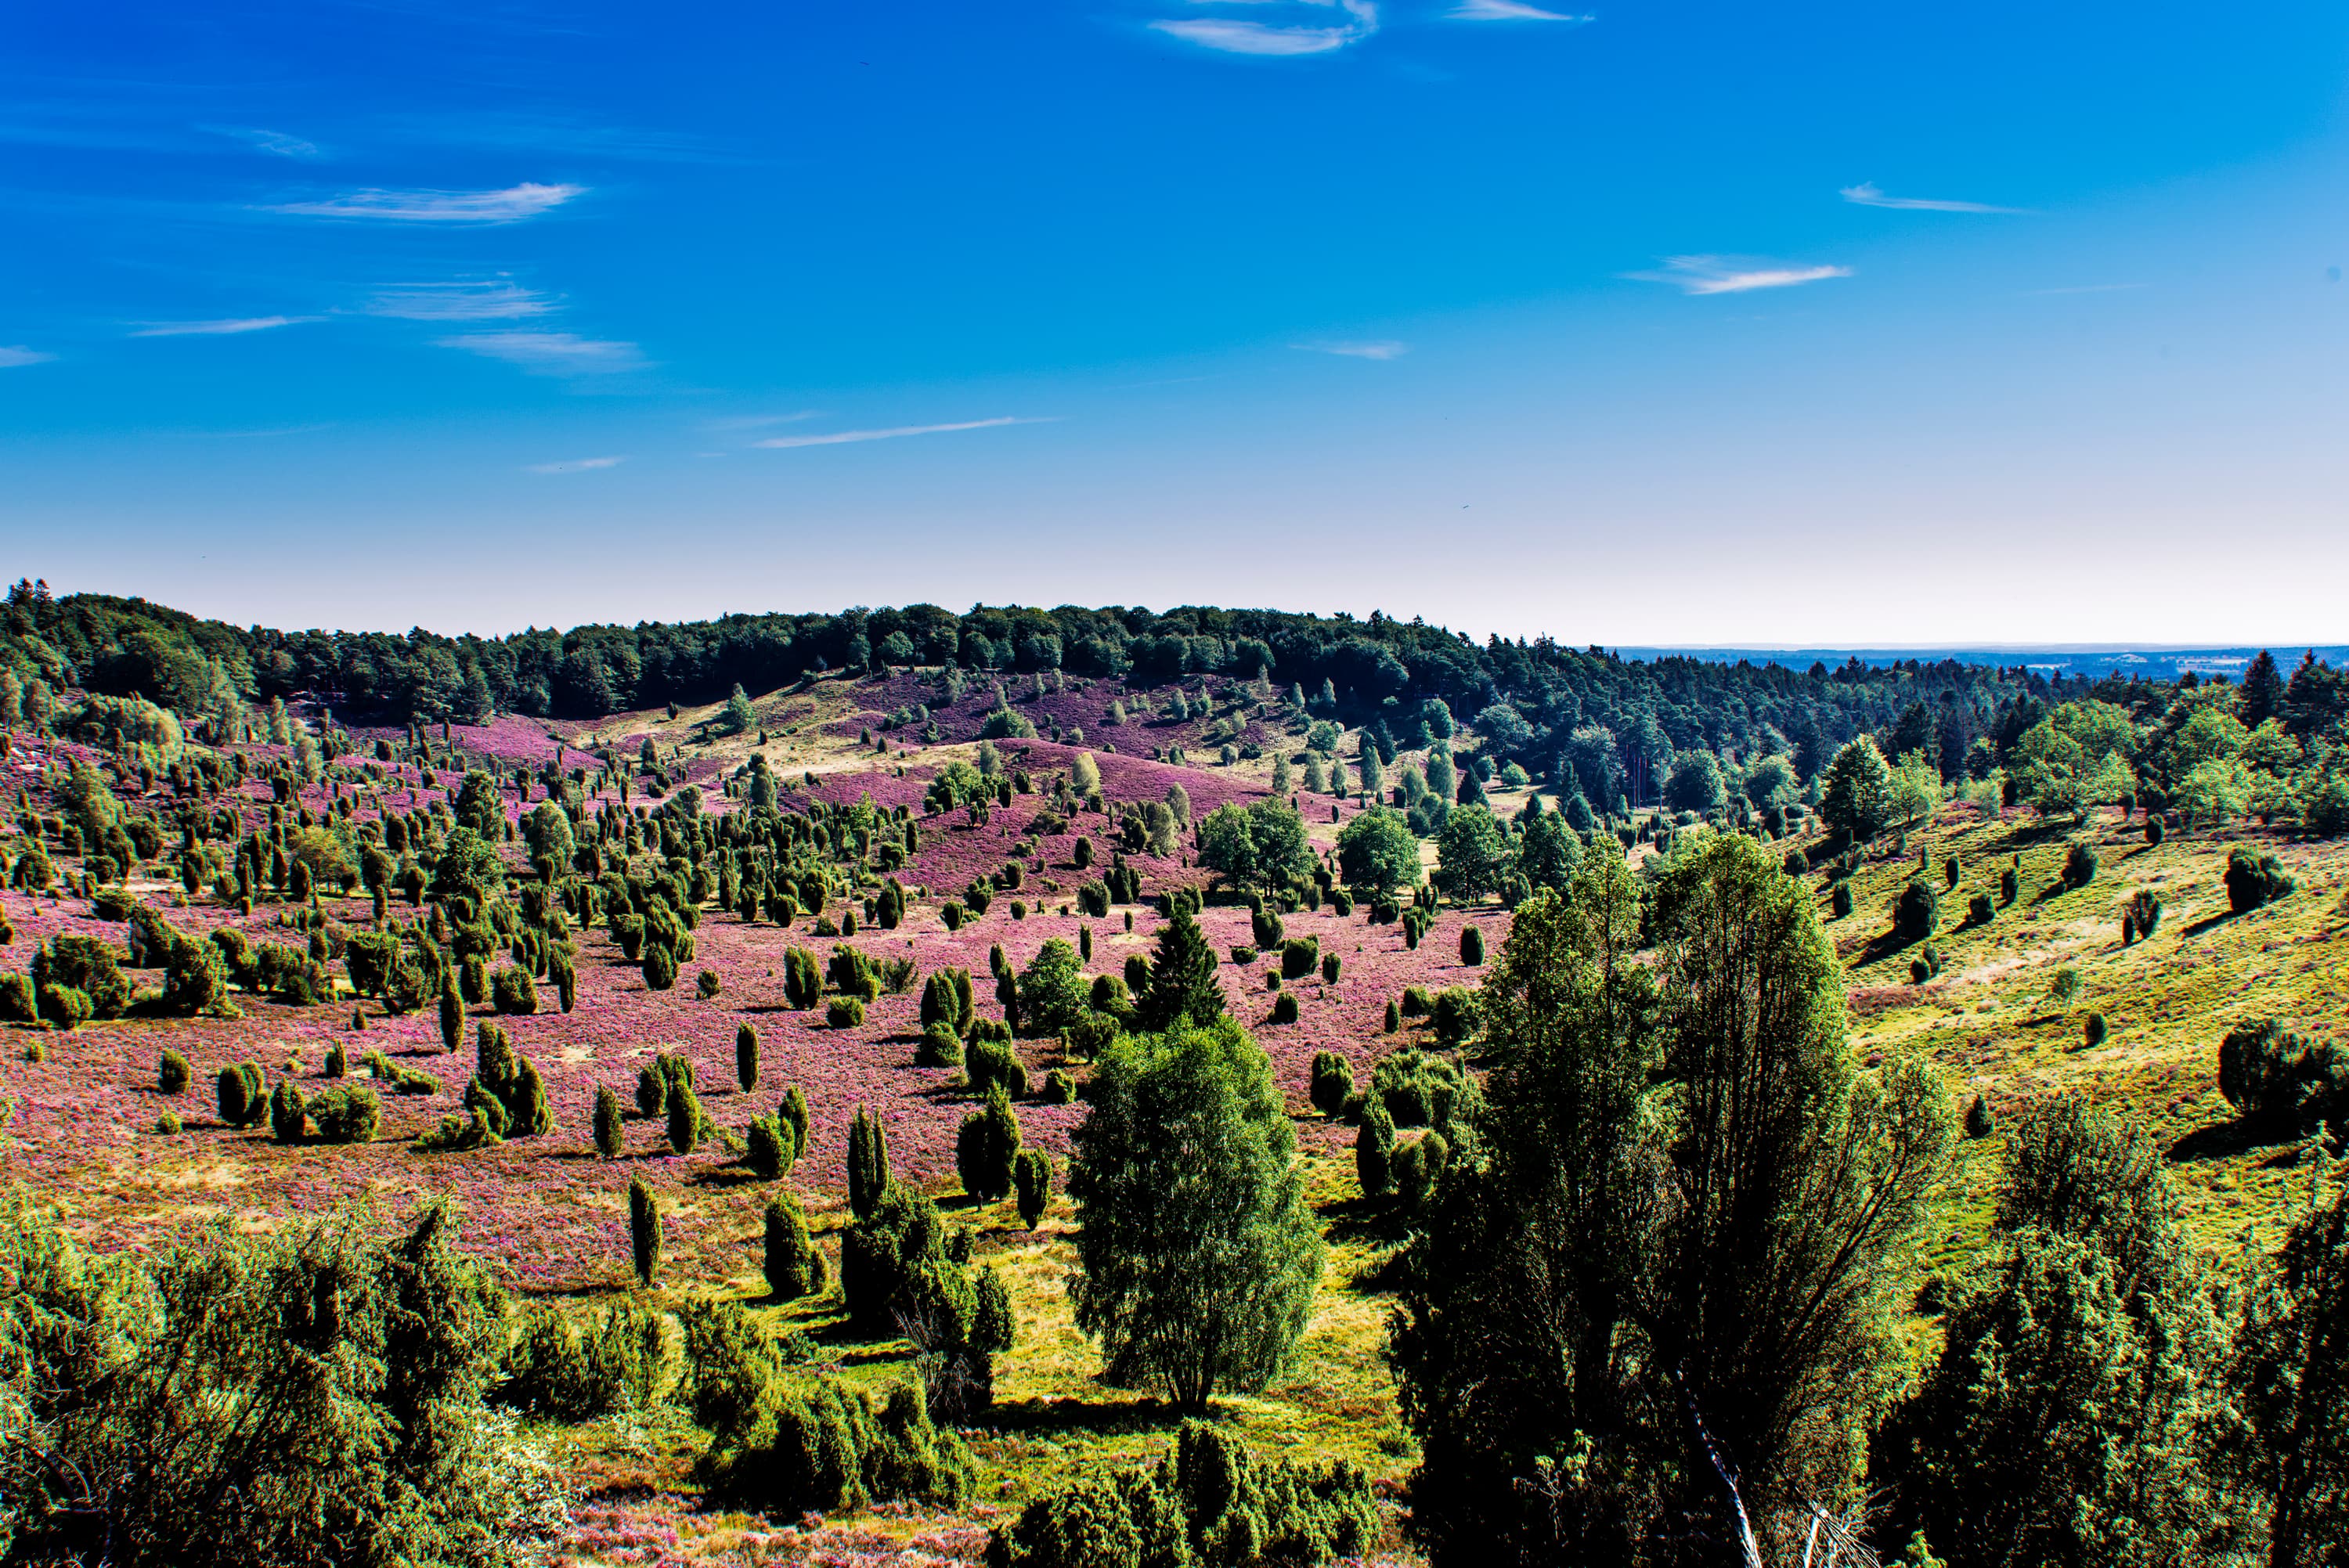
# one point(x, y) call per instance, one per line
point(472, 299)
point(550, 353)
point(1507, 11)
point(227, 327)
point(275, 142)
point(841, 438)
point(1731, 275)
point(1378, 348)
point(1866, 194)
point(1356, 20)
point(510, 206)
point(575, 466)
point(11, 357)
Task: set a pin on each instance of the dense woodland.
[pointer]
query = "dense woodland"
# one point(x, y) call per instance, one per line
point(1142, 994)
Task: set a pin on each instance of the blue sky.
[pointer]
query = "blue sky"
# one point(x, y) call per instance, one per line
point(1638, 322)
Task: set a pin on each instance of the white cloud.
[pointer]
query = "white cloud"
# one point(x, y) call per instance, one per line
point(1507, 11)
point(550, 353)
point(225, 328)
point(508, 206)
point(12, 358)
point(271, 141)
point(760, 421)
point(575, 466)
point(1380, 348)
point(1729, 274)
point(1866, 194)
point(839, 438)
point(1360, 19)
point(483, 299)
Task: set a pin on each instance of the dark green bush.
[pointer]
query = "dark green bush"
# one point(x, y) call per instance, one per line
point(347, 1113)
point(793, 1266)
point(1212, 1501)
point(2283, 1082)
point(985, 1147)
point(1333, 1082)
point(1918, 915)
point(1284, 1008)
point(1031, 1182)
point(2080, 865)
point(2255, 879)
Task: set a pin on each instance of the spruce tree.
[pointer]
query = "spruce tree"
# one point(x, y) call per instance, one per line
point(1182, 986)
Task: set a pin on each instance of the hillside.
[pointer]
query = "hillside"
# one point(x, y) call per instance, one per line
point(855, 757)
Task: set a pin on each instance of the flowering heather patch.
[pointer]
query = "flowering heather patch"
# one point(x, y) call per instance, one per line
point(547, 1209)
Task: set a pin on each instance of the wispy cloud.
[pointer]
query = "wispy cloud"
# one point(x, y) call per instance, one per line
point(840, 438)
point(551, 352)
point(575, 466)
point(1507, 11)
point(508, 206)
point(1356, 20)
point(270, 141)
point(477, 299)
point(229, 328)
point(761, 421)
point(1866, 194)
point(1379, 348)
point(1731, 275)
point(10, 358)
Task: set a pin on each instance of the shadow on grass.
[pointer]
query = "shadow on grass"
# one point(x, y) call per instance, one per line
point(2212, 921)
point(2220, 1140)
point(1060, 1413)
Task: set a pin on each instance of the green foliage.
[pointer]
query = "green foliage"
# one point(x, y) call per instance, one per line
point(2283, 1083)
point(809, 1445)
point(1473, 855)
point(577, 1367)
point(1417, 1090)
point(1031, 1182)
point(2065, 1419)
point(611, 1138)
point(347, 1113)
point(2252, 879)
point(793, 1266)
point(2080, 865)
point(139, 1392)
point(803, 979)
point(1261, 846)
point(868, 1164)
point(644, 1230)
point(1918, 913)
point(985, 1147)
point(1855, 795)
point(1052, 990)
point(1608, 1227)
point(1332, 1082)
point(1180, 986)
point(1197, 1256)
point(1212, 1503)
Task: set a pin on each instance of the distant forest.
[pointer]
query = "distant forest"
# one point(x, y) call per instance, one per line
point(1526, 699)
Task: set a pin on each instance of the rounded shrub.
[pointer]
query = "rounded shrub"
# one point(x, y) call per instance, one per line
point(171, 1075)
point(1472, 945)
point(845, 1011)
point(1284, 1008)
